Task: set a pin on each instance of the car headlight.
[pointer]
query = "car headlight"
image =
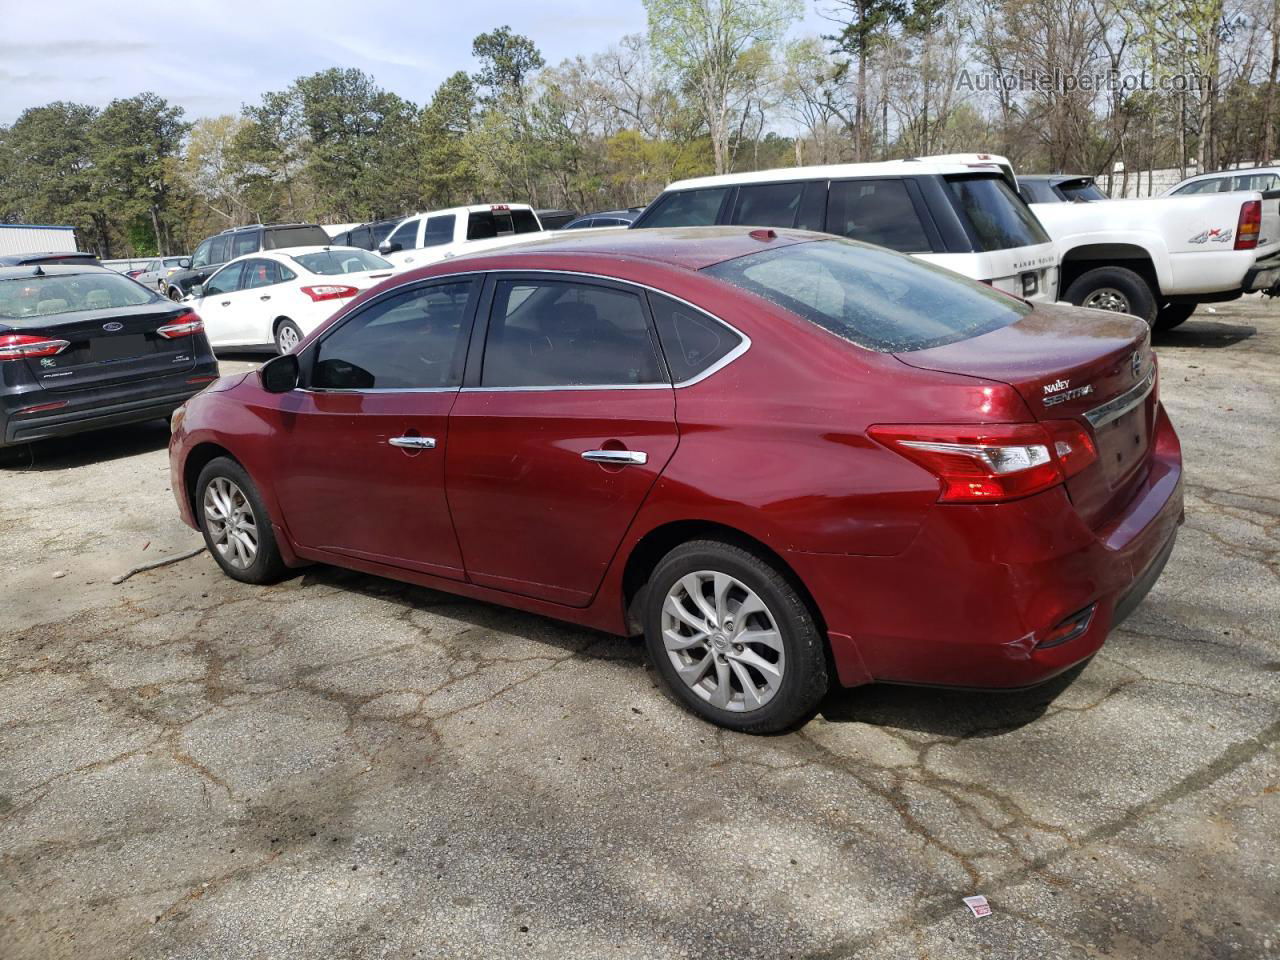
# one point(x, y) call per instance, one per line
point(175, 418)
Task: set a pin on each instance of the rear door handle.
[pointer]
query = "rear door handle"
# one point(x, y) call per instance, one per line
point(226, 303)
point(414, 443)
point(618, 458)
point(265, 296)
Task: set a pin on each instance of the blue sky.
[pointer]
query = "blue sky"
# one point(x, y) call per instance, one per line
point(211, 57)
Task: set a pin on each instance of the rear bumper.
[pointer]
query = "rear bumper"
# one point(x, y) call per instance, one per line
point(1263, 275)
point(974, 602)
point(23, 428)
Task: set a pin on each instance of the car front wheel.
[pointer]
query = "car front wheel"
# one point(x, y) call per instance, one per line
point(236, 526)
point(733, 639)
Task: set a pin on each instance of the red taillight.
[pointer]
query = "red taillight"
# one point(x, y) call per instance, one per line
point(993, 462)
point(183, 325)
point(16, 346)
point(329, 291)
point(1249, 225)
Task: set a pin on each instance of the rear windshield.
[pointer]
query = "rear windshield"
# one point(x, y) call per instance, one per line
point(995, 217)
point(331, 262)
point(502, 223)
point(277, 238)
point(876, 298)
point(1081, 190)
point(45, 296)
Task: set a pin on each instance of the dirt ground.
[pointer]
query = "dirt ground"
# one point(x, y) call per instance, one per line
point(342, 766)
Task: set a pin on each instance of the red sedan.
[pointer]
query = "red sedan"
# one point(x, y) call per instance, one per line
point(777, 455)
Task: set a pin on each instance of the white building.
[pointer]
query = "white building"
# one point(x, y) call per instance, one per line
point(29, 238)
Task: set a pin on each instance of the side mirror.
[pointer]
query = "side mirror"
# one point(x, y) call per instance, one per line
point(280, 374)
point(185, 263)
point(386, 246)
point(196, 291)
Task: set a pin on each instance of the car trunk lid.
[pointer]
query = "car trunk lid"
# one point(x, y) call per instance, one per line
point(109, 345)
point(1069, 363)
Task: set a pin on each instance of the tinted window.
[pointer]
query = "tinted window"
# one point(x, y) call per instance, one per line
point(1257, 181)
point(691, 340)
point(875, 298)
point(277, 238)
point(406, 234)
point(379, 232)
point(876, 211)
point(439, 231)
point(219, 252)
point(201, 257)
point(582, 224)
point(225, 280)
point(410, 341)
point(487, 224)
point(244, 243)
point(524, 221)
point(42, 296)
point(686, 208)
point(1037, 191)
point(550, 333)
point(768, 205)
point(332, 262)
point(997, 218)
point(1081, 191)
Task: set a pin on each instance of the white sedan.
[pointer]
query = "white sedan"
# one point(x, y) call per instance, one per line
point(277, 297)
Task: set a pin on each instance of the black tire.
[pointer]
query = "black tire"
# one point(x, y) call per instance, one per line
point(286, 325)
point(175, 294)
point(803, 649)
point(268, 565)
point(1129, 285)
point(1174, 314)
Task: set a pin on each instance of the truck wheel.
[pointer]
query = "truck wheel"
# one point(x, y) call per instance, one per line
point(1115, 289)
point(1172, 314)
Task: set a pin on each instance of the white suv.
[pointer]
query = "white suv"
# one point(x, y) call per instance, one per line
point(440, 234)
point(961, 216)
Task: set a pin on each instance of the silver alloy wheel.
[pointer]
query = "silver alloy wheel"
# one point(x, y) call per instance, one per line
point(723, 641)
point(1107, 298)
point(230, 521)
point(287, 337)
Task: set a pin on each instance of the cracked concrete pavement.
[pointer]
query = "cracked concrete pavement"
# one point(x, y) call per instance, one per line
point(342, 766)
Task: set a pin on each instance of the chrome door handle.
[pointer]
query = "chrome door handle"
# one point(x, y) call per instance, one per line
point(265, 296)
point(413, 443)
point(226, 303)
point(619, 458)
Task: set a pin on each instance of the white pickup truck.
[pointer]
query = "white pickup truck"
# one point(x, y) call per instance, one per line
point(1157, 258)
point(426, 238)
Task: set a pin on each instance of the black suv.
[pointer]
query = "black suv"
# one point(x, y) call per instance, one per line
point(238, 241)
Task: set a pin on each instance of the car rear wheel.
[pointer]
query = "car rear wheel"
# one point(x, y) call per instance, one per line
point(1113, 288)
point(287, 335)
point(1173, 314)
point(733, 639)
point(236, 526)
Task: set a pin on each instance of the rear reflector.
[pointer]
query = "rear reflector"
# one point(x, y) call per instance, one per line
point(201, 379)
point(990, 463)
point(1249, 225)
point(1068, 629)
point(183, 325)
point(329, 291)
point(16, 346)
point(42, 407)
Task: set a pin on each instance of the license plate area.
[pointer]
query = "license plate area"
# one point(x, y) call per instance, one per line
point(127, 346)
point(1122, 444)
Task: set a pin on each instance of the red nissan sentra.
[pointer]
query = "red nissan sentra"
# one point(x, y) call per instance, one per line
point(776, 454)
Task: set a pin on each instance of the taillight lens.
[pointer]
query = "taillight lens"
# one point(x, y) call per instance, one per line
point(17, 346)
point(183, 325)
point(1249, 225)
point(329, 291)
point(986, 463)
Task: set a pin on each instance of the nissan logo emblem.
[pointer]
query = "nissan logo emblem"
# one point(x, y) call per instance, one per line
point(112, 327)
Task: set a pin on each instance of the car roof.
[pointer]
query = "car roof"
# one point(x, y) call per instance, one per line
point(836, 171)
point(471, 208)
point(280, 252)
point(687, 248)
point(1242, 172)
point(1054, 178)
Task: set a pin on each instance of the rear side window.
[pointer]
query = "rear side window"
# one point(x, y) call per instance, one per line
point(692, 341)
point(243, 243)
point(277, 238)
point(260, 273)
point(524, 221)
point(415, 340)
point(994, 216)
point(767, 205)
point(220, 251)
point(876, 211)
point(439, 231)
point(875, 298)
point(686, 208)
point(552, 333)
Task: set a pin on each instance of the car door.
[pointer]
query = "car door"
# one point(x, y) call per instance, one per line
point(220, 303)
point(256, 311)
point(366, 435)
point(566, 420)
point(403, 241)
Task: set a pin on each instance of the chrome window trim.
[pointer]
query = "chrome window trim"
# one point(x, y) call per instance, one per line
point(1116, 408)
point(719, 365)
